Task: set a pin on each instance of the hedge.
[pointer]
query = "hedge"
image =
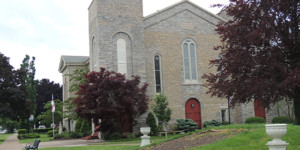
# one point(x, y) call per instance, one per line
point(255, 120)
point(281, 119)
point(45, 130)
point(22, 131)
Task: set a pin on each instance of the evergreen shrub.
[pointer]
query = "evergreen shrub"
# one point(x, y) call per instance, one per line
point(22, 131)
point(31, 135)
point(112, 136)
point(50, 132)
point(150, 121)
point(212, 123)
point(78, 125)
point(255, 120)
point(76, 135)
point(186, 124)
point(281, 119)
point(86, 128)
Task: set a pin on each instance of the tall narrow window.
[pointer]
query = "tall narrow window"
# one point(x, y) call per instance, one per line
point(121, 52)
point(189, 60)
point(223, 115)
point(157, 68)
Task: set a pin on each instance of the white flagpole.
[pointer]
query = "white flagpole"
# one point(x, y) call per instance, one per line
point(53, 123)
point(52, 103)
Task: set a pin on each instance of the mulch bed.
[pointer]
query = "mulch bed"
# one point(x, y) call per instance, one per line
point(195, 140)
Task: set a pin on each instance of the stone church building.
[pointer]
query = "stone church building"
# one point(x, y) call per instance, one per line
point(169, 49)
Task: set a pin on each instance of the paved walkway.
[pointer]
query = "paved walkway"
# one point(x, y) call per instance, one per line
point(11, 143)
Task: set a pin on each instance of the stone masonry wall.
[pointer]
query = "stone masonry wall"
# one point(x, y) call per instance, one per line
point(165, 38)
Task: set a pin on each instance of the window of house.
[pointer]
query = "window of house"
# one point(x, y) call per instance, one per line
point(189, 60)
point(122, 58)
point(157, 69)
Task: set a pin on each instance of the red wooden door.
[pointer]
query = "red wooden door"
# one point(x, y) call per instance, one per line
point(259, 110)
point(193, 111)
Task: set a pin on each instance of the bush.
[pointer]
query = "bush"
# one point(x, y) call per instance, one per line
point(212, 123)
point(150, 121)
point(186, 125)
point(45, 130)
point(281, 119)
point(22, 131)
point(50, 133)
point(31, 135)
point(86, 128)
point(129, 136)
point(58, 136)
point(225, 123)
point(78, 125)
point(255, 120)
point(112, 136)
point(76, 135)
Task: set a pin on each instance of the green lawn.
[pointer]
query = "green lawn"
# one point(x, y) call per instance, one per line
point(43, 138)
point(254, 138)
point(3, 137)
point(102, 147)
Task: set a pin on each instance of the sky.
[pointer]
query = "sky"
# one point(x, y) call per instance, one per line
point(47, 29)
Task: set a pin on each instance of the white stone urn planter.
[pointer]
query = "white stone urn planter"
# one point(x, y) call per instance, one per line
point(145, 138)
point(276, 131)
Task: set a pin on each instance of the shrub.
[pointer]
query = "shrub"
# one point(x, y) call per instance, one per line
point(112, 136)
point(50, 133)
point(255, 120)
point(45, 130)
point(129, 136)
point(76, 135)
point(186, 125)
point(150, 121)
point(22, 131)
point(78, 125)
point(31, 135)
point(86, 128)
point(212, 123)
point(281, 119)
point(225, 123)
point(58, 136)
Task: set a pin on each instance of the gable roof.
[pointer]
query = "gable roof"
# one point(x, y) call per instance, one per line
point(66, 60)
point(156, 17)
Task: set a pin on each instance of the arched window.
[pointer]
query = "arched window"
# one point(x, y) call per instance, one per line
point(157, 69)
point(189, 60)
point(122, 57)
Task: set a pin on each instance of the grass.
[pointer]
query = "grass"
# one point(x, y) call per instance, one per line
point(3, 137)
point(101, 147)
point(43, 138)
point(254, 138)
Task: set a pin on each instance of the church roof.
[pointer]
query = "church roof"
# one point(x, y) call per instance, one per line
point(149, 20)
point(72, 60)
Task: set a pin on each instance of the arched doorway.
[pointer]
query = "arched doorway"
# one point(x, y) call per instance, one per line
point(259, 109)
point(193, 111)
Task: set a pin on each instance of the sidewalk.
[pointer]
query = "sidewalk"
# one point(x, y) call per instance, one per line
point(11, 143)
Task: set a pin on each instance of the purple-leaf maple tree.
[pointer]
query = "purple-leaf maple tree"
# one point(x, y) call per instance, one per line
point(259, 55)
point(109, 96)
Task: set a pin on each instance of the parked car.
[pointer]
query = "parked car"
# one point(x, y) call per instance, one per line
point(41, 127)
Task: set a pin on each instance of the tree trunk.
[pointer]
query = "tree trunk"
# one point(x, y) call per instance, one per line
point(297, 106)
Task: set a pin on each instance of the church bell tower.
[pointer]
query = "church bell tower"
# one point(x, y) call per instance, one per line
point(116, 36)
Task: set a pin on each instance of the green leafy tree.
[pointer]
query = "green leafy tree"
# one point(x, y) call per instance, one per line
point(30, 83)
point(162, 111)
point(46, 117)
point(13, 105)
